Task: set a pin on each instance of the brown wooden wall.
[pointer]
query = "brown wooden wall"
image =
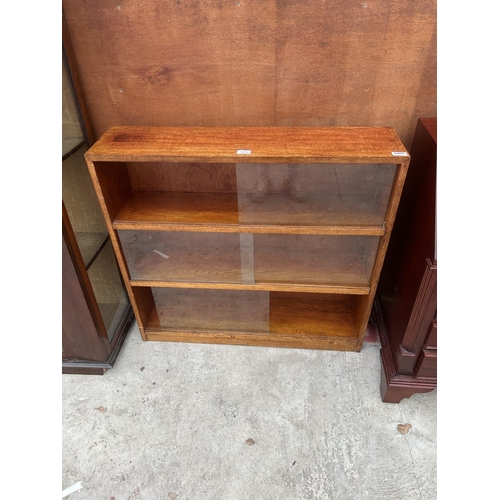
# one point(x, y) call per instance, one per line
point(255, 62)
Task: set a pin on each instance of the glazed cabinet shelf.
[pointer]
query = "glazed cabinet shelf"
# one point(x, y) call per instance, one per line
point(252, 235)
point(226, 212)
point(255, 317)
point(250, 259)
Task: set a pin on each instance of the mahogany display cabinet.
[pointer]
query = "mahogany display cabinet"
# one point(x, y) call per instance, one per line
point(96, 312)
point(406, 307)
point(270, 236)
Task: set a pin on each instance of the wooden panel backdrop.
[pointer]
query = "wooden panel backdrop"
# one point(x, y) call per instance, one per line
point(255, 62)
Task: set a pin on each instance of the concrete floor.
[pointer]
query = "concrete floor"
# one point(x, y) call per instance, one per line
point(173, 421)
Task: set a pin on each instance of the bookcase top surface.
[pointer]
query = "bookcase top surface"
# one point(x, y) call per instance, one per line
point(250, 145)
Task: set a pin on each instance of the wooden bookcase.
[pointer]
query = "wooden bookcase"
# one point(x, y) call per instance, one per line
point(207, 256)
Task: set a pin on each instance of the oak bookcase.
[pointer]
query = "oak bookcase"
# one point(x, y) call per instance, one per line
point(271, 236)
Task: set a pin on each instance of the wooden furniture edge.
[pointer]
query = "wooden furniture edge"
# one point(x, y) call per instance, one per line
point(225, 150)
point(81, 367)
point(250, 339)
point(85, 284)
point(395, 387)
point(392, 208)
point(249, 228)
point(116, 245)
point(268, 287)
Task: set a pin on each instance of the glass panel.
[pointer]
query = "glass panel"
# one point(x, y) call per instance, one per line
point(71, 130)
point(314, 259)
point(77, 189)
point(249, 258)
point(314, 194)
point(182, 256)
point(199, 310)
point(82, 205)
point(108, 288)
point(86, 218)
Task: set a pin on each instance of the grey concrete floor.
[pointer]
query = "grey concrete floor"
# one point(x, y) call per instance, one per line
point(173, 421)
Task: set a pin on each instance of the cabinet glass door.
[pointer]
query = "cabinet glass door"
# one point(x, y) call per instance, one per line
point(314, 194)
point(209, 257)
point(86, 218)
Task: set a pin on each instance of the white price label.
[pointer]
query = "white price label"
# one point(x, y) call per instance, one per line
point(399, 153)
point(244, 152)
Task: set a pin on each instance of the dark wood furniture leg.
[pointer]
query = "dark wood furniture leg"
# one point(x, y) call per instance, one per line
point(393, 386)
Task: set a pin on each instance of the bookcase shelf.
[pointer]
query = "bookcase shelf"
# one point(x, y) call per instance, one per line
point(162, 211)
point(290, 320)
point(250, 235)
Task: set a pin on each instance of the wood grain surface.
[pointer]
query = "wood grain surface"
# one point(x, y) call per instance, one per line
point(249, 63)
point(261, 144)
point(269, 287)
